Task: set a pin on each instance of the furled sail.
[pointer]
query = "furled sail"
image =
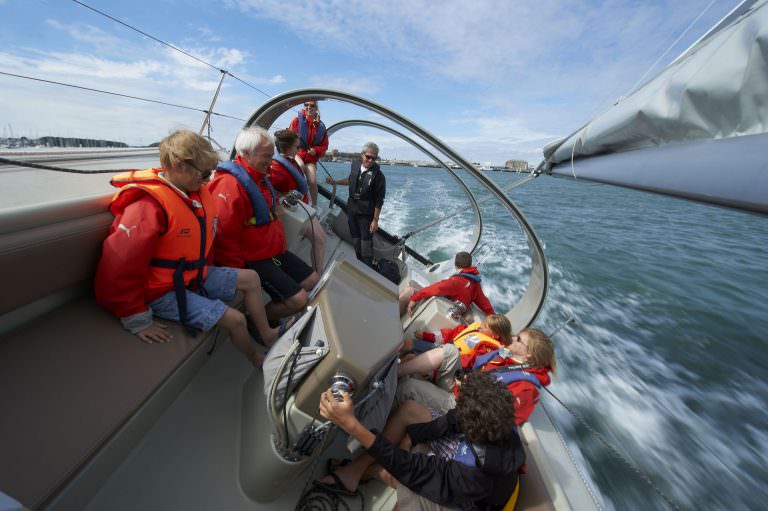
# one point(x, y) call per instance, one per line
point(698, 130)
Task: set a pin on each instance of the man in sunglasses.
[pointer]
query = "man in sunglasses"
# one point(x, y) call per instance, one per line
point(367, 187)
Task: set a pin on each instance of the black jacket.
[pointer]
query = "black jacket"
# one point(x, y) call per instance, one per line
point(449, 482)
point(367, 194)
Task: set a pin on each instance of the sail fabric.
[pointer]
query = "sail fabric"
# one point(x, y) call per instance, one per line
point(717, 89)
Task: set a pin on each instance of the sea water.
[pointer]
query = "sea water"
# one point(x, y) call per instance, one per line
point(667, 357)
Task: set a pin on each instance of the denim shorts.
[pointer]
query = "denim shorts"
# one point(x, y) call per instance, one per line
point(203, 312)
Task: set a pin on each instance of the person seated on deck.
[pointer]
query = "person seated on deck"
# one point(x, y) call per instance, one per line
point(287, 175)
point(464, 286)
point(491, 333)
point(250, 232)
point(523, 365)
point(313, 142)
point(154, 260)
point(468, 458)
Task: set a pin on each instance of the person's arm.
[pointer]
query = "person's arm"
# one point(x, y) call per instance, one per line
point(280, 179)
point(443, 288)
point(124, 264)
point(482, 302)
point(375, 222)
point(232, 212)
point(332, 181)
point(443, 481)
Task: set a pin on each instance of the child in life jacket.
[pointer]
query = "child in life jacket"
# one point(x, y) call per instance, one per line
point(456, 348)
point(522, 364)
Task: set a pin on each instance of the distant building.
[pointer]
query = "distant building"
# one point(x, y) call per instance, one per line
point(516, 165)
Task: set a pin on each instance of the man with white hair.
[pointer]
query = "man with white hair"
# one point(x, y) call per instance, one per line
point(250, 233)
point(367, 187)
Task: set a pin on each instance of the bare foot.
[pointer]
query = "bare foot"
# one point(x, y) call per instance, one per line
point(383, 475)
point(348, 478)
point(275, 334)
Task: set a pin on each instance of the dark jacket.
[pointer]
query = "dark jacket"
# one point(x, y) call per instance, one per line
point(449, 482)
point(365, 194)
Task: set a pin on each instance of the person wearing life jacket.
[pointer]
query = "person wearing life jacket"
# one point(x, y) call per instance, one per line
point(154, 260)
point(460, 347)
point(250, 232)
point(313, 140)
point(286, 175)
point(367, 189)
point(523, 366)
point(464, 286)
point(467, 458)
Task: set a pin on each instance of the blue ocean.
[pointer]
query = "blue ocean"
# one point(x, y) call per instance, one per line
point(667, 355)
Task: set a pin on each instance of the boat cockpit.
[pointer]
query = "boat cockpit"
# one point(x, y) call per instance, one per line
point(94, 419)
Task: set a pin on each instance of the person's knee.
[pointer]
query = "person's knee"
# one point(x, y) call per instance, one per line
point(233, 320)
point(414, 411)
point(248, 280)
point(297, 301)
point(310, 281)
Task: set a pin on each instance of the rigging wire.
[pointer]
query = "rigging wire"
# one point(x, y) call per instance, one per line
point(674, 43)
point(156, 101)
point(169, 45)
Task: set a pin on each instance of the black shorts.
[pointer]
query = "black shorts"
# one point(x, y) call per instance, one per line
point(281, 276)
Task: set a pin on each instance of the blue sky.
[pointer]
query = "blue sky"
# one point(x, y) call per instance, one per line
point(496, 80)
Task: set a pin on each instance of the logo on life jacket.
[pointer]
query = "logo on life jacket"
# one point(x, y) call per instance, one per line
point(186, 232)
point(126, 229)
point(471, 341)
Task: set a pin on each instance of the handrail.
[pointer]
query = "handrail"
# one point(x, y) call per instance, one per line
point(527, 309)
point(478, 224)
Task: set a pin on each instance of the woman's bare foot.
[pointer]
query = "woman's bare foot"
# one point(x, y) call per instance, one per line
point(348, 475)
point(376, 471)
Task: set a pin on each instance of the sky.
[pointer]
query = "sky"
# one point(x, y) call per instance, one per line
point(495, 80)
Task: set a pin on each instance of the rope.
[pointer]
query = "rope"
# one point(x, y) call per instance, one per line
point(169, 45)
point(615, 452)
point(90, 89)
point(31, 165)
point(322, 499)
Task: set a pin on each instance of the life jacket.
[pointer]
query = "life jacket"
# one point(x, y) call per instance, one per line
point(181, 252)
point(296, 173)
point(262, 212)
point(471, 340)
point(468, 453)
point(304, 132)
point(505, 374)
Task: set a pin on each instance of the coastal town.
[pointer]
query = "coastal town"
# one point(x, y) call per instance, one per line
point(9, 144)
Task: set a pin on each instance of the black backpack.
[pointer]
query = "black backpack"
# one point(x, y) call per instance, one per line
point(389, 269)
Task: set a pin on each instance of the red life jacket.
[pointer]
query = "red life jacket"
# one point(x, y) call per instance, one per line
point(181, 252)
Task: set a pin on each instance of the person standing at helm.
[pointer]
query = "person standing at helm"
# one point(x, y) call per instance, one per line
point(251, 234)
point(367, 188)
point(313, 142)
point(287, 175)
point(154, 260)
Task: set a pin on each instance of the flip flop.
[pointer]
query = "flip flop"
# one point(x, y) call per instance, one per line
point(337, 487)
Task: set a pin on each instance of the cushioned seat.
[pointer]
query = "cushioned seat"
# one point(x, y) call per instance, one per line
point(68, 381)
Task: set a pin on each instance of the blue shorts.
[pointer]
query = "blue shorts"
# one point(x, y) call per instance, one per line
point(202, 312)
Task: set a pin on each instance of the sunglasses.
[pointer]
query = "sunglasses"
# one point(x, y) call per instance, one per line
point(310, 105)
point(369, 156)
point(204, 174)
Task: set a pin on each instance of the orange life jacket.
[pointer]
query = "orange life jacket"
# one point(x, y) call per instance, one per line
point(181, 252)
point(471, 339)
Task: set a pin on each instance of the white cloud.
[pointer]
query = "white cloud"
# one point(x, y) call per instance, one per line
point(85, 33)
point(354, 85)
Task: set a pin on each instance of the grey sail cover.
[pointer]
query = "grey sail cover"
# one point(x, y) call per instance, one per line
point(694, 129)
